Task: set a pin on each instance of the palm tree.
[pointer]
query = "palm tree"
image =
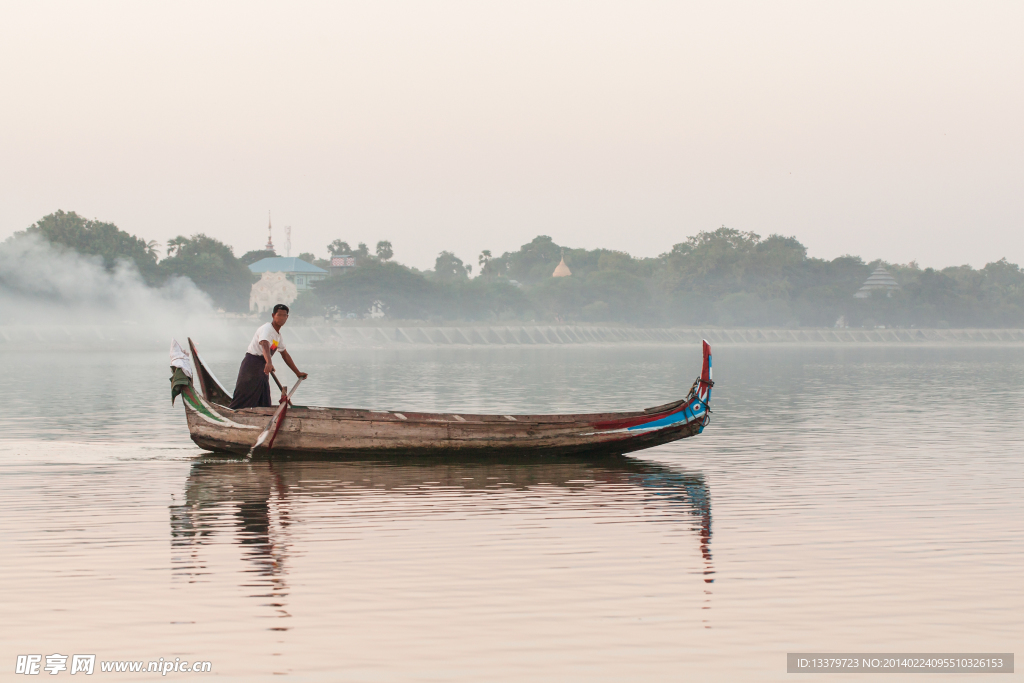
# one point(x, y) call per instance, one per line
point(339, 248)
point(176, 245)
point(384, 250)
point(151, 248)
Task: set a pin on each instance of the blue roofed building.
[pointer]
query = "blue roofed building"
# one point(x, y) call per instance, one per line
point(295, 269)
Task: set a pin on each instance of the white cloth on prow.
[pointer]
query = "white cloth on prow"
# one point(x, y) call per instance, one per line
point(180, 359)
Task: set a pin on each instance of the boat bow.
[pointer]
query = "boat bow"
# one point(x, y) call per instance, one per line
point(694, 408)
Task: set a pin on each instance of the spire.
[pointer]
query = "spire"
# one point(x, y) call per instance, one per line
point(270, 242)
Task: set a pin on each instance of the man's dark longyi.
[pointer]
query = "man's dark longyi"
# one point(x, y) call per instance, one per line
point(252, 389)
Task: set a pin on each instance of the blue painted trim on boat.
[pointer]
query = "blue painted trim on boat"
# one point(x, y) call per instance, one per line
point(696, 408)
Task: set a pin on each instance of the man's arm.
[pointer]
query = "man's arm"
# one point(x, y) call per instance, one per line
point(265, 346)
point(288, 359)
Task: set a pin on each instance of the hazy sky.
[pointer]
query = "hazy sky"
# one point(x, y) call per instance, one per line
point(889, 129)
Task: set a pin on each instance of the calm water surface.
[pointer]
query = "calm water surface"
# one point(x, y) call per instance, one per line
point(843, 499)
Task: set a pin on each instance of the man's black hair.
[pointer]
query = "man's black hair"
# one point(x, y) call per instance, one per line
point(280, 307)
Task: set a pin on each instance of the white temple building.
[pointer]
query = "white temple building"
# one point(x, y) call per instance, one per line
point(880, 279)
point(271, 290)
point(282, 278)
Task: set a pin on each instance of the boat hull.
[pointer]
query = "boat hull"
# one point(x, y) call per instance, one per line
point(345, 433)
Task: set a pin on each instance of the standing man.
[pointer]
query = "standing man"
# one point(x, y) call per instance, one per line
point(252, 388)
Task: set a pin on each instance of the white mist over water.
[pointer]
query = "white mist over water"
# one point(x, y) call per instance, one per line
point(42, 286)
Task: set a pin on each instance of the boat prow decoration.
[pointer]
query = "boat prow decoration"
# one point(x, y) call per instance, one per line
point(353, 433)
point(213, 390)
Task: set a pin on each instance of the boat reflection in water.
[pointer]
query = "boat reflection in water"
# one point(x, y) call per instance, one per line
point(270, 510)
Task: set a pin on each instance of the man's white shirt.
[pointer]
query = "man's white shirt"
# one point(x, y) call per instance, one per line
point(265, 333)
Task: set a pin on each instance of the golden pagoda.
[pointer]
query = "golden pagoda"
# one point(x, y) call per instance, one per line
point(561, 270)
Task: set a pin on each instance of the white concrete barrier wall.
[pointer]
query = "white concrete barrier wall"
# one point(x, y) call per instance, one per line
point(216, 335)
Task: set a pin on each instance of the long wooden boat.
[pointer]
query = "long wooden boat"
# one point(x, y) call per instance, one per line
point(350, 433)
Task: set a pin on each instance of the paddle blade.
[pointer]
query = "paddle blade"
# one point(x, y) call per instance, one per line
point(259, 442)
point(274, 420)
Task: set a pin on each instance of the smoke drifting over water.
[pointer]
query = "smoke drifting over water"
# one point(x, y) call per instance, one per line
point(45, 287)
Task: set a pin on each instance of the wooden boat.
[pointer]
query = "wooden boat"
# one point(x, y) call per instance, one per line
point(348, 433)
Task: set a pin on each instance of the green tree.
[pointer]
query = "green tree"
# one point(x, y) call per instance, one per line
point(626, 295)
point(535, 261)
point(68, 230)
point(479, 299)
point(339, 248)
point(449, 268)
point(712, 263)
point(559, 298)
point(491, 268)
point(384, 250)
point(318, 262)
point(823, 290)
point(251, 257)
point(175, 244)
point(212, 266)
point(615, 260)
point(402, 292)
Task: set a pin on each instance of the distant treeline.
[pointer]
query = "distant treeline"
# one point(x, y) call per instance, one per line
point(722, 277)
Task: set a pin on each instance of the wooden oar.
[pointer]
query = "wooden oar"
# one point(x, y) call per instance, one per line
point(280, 421)
point(278, 413)
point(280, 386)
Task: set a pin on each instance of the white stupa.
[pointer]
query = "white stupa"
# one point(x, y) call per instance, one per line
point(880, 279)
